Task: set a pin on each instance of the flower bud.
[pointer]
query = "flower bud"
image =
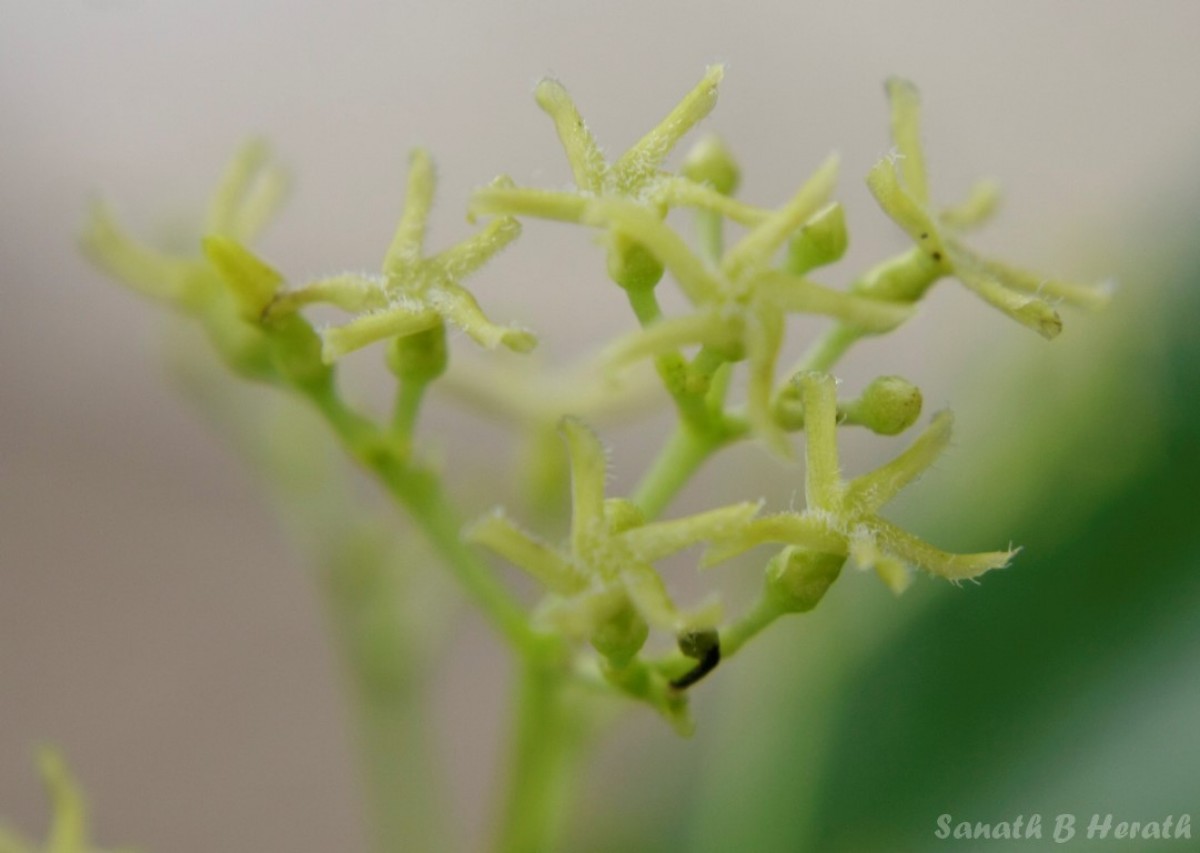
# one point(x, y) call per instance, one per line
point(797, 578)
point(631, 265)
point(888, 406)
point(821, 241)
point(253, 283)
point(420, 357)
point(710, 162)
point(622, 636)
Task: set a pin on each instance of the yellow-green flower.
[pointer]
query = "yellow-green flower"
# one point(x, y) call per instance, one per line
point(414, 293)
point(899, 184)
point(634, 177)
point(742, 304)
point(602, 584)
point(247, 197)
point(841, 517)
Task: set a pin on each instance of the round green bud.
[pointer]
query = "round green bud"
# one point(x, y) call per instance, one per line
point(622, 636)
point(821, 241)
point(710, 162)
point(297, 350)
point(797, 578)
point(888, 406)
point(631, 265)
point(788, 408)
point(419, 358)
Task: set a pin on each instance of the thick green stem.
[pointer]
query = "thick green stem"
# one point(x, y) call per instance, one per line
point(419, 491)
point(543, 761)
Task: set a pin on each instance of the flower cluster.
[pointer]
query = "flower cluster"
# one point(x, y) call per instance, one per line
point(601, 585)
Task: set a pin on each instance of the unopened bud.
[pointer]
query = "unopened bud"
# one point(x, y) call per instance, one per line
point(420, 357)
point(797, 578)
point(631, 265)
point(821, 241)
point(710, 162)
point(253, 283)
point(888, 406)
point(621, 637)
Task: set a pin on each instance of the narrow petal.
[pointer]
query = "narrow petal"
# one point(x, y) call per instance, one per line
point(902, 207)
point(459, 307)
point(794, 294)
point(890, 569)
point(517, 201)
point(69, 821)
point(349, 291)
point(759, 246)
point(404, 318)
point(641, 161)
point(497, 532)
point(254, 284)
point(1093, 297)
point(906, 134)
point(639, 224)
point(980, 206)
point(261, 202)
point(146, 270)
point(235, 184)
point(652, 542)
point(681, 192)
point(1026, 310)
point(472, 253)
point(918, 552)
point(811, 530)
point(866, 494)
point(710, 326)
point(418, 200)
point(822, 477)
point(588, 469)
point(587, 162)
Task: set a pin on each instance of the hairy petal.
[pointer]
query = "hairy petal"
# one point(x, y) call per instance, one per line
point(659, 539)
point(418, 200)
point(868, 493)
point(497, 532)
point(587, 163)
point(758, 247)
point(918, 552)
point(640, 162)
point(906, 133)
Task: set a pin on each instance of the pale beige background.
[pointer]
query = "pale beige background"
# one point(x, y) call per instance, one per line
point(152, 618)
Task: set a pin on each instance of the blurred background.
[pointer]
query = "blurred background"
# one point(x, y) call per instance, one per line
point(159, 624)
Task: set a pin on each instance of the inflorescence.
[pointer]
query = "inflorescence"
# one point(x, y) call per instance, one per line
point(601, 584)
